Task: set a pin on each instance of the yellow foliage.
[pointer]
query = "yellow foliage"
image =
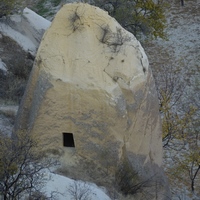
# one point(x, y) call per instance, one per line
point(174, 125)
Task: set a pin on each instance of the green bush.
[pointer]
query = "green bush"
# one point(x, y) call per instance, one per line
point(56, 2)
point(6, 7)
point(43, 7)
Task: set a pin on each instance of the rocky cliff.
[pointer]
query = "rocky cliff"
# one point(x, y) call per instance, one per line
point(91, 98)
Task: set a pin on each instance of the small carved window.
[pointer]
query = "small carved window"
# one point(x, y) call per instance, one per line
point(68, 140)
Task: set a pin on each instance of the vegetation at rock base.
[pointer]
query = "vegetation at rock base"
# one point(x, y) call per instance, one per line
point(128, 181)
point(22, 165)
point(132, 183)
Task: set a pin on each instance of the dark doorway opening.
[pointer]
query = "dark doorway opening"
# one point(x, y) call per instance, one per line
point(68, 140)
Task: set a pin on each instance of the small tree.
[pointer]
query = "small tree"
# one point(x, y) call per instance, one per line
point(79, 190)
point(180, 125)
point(186, 167)
point(22, 166)
point(190, 160)
point(175, 118)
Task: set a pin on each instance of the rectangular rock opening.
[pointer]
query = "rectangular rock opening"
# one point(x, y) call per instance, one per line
point(68, 140)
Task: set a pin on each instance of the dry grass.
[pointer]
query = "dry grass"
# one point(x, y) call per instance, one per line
point(19, 66)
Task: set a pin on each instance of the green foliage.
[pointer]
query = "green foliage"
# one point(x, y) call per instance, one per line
point(141, 17)
point(6, 7)
point(56, 2)
point(43, 7)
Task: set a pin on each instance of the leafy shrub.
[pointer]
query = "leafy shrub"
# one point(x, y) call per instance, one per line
point(56, 2)
point(6, 7)
point(43, 7)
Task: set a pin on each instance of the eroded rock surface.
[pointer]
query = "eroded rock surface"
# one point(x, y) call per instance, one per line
point(91, 78)
point(26, 29)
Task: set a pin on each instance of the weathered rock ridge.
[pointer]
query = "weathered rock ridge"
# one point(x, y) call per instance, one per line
point(91, 78)
point(26, 29)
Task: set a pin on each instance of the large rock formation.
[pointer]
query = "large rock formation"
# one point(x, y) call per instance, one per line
point(91, 94)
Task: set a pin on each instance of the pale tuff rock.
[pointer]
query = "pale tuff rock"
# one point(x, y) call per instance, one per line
point(26, 29)
point(3, 67)
point(91, 78)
